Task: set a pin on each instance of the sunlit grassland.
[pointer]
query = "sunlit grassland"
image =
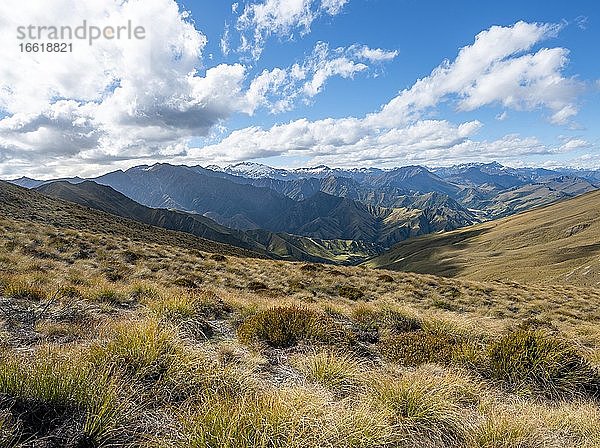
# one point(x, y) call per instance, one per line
point(107, 341)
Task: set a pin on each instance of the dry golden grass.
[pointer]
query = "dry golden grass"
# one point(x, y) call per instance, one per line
point(552, 244)
point(154, 345)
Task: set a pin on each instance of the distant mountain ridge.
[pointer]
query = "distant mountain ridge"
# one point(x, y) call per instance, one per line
point(266, 209)
point(481, 187)
point(104, 198)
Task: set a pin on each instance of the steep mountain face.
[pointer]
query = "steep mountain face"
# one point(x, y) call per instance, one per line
point(188, 189)
point(479, 174)
point(17, 203)
point(269, 244)
point(323, 215)
point(557, 243)
point(104, 198)
point(413, 179)
point(351, 212)
point(374, 208)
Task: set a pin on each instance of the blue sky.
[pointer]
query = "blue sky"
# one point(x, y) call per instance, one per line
point(303, 82)
point(425, 33)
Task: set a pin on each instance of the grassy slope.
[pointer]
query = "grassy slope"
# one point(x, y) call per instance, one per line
point(273, 245)
point(556, 244)
point(107, 338)
point(26, 205)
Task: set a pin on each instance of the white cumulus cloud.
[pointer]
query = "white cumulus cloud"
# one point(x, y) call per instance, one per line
point(282, 18)
point(495, 69)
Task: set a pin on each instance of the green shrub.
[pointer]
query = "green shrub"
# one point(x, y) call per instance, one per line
point(385, 278)
point(285, 326)
point(535, 362)
point(257, 286)
point(310, 268)
point(188, 282)
point(115, 272)
point(370, 319)
point(130, 257)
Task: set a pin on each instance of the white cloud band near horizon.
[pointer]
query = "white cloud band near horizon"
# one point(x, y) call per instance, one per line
point(126, 103)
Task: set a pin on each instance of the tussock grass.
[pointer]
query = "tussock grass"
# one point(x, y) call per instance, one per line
point(295, 365)
point(144, 350)
point(49, 391)
point(282, 327)
point(341, 373)
point(538, 363)
point(286, 418)
point(501, 430)
point(25, 288)
point(421, 411)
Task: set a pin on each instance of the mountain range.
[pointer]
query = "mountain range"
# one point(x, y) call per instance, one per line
point(318, 214)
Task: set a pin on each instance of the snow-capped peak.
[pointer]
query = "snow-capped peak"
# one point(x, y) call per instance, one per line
point(256, 171)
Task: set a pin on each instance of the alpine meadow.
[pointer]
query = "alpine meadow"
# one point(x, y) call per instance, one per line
point(299, 224)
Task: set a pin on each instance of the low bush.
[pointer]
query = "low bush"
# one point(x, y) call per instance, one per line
point(285, 326)
point(257, 286)
point(536, 362)
point(310, 268)
point(385, 278)
point(191, 282)
point(375, 319)
point(350, 292)
point(418, 347)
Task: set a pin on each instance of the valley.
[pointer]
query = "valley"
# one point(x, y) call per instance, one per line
point(317, 214)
